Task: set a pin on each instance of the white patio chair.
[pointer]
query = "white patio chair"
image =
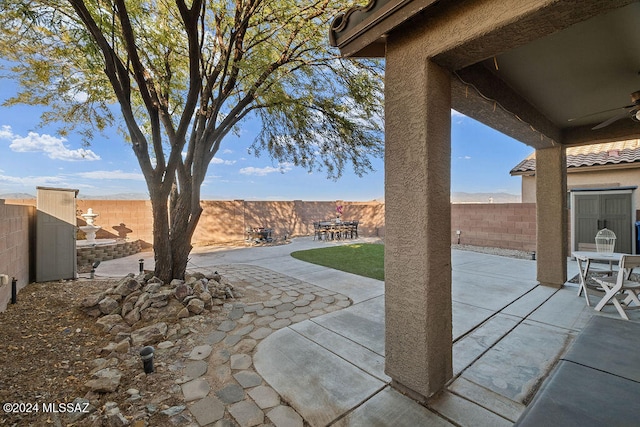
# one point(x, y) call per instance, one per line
point(619, 290)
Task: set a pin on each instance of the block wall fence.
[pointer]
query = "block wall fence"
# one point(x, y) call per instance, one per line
point(16, 233)
point(509, 226)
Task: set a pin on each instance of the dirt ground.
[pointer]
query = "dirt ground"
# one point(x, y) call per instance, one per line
point(48, 348)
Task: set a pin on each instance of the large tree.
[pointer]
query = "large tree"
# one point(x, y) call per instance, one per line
point(186, 73)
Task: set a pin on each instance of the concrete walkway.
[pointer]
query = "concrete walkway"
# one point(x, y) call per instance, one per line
point(328, 363)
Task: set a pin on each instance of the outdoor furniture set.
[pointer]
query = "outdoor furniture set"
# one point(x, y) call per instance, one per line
point(259, 234)
point(335, 229)
point(613, 286)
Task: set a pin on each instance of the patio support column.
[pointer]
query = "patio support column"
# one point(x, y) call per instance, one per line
point(551, 211)
point(418, 334)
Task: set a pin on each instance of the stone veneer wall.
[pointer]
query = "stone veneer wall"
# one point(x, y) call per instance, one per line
point(15, 237)
point(89, 254)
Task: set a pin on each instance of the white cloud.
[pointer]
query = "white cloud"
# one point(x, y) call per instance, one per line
point(227, 151)
point(32, 181)
point(53, 147)
point(455, 113)
point(283, 167)
point(116, 174)
point(219, 161)
point(464, 157)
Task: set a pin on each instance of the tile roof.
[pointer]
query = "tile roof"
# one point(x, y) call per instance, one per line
point(610, 153)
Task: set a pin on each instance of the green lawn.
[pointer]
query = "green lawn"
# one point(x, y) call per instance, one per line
point(362, 259)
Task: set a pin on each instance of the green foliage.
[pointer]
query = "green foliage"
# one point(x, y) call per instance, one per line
point(186, 73)
point(362, 259)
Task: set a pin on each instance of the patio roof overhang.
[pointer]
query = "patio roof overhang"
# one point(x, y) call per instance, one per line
point(538, 76)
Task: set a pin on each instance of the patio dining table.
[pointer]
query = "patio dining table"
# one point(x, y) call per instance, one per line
point(584, 259)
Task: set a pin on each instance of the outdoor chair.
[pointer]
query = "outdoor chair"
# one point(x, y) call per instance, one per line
point(319, 231)
point(618, 289)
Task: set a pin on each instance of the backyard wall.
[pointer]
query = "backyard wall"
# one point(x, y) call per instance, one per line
point(15, 237)
point(226, 221)
point(499, 225)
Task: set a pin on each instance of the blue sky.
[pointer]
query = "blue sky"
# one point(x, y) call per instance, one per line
point(34, 156)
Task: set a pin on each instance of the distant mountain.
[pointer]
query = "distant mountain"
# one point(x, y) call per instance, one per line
point(17, 196)
point(461, 197)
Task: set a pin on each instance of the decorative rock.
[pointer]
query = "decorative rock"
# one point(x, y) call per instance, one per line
point(152, 288)
point(165, 344)
point(107, 322)
point(240, 361)
point(149, 335)
point(133, 316)
point(195, 369)
point(283, 416)
point(247, 413)
point(114, 417)
point(127, 286)
point(122, 347)
point(207, 411)
point(174, 410)
point(231, 394)
point(105, 381)
point(227, 325)
point(200, 352)
point(195, 306)
point(182, 291)
point(184, 313)
point(175, 283)
point(162, 295)
point(91, 300)
point(265, 397)
point(248, 379)
point(196, 389)
point(108, 305)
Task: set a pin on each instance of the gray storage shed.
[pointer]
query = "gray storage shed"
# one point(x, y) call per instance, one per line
point(55, 234)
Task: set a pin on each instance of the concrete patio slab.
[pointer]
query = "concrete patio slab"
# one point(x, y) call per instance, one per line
point(612, 346)
point(318, 384)
point(464, 412)
point(529, 302)
point(474, 345)
point(581, 396)
point(467, 317)
point(362, 323)
point(516, 365)
point(390, 408)
point(508, 332)
point(494, 402)
point(365, 359)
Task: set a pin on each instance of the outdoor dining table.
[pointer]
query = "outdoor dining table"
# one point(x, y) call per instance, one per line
point(585, 258)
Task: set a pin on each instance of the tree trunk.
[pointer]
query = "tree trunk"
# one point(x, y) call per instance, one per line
point(161, 242)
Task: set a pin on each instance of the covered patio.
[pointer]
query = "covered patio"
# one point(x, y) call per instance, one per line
point(543, 72)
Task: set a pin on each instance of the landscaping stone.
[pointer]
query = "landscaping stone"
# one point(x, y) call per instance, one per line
point(207, 410)
point(195, 368)
point(227, 325)
point(104, 381)
point(240, 361)
point(248, 379)
point(264, 396)
point(195, 389)
point(285, 416)
point(231, 394)
point(247, 413)
point(149, 335)
point(200, 352)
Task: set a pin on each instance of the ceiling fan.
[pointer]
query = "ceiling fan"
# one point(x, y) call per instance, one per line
point(631, 110)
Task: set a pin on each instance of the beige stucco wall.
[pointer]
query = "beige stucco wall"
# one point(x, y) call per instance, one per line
point(588, 179)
